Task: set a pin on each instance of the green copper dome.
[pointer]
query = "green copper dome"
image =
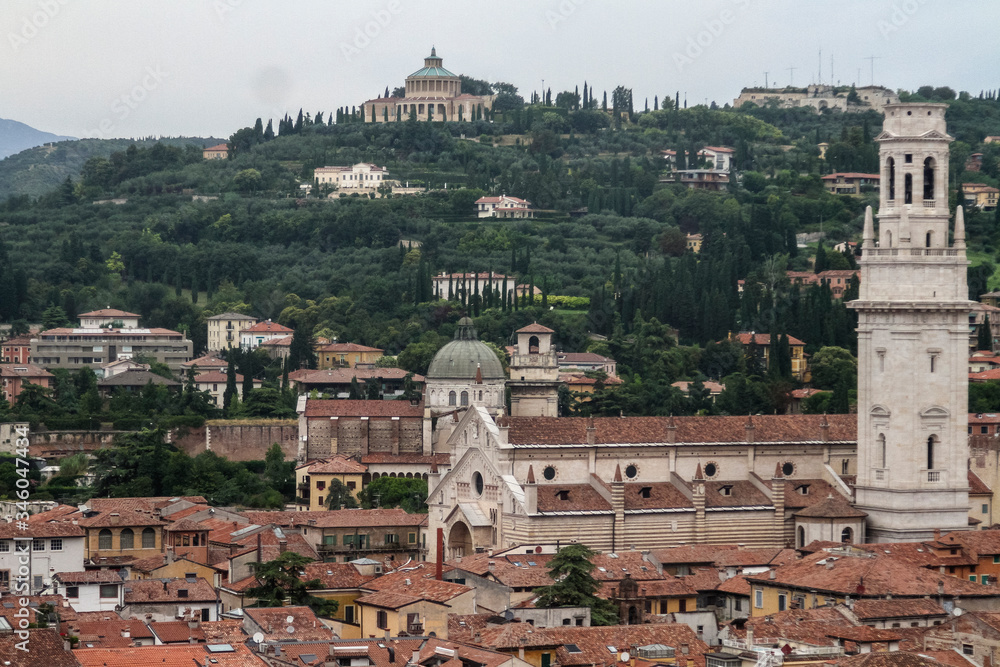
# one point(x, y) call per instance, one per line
point(459, 359)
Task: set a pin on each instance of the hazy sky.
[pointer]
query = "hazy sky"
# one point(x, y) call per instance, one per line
point(114, 68)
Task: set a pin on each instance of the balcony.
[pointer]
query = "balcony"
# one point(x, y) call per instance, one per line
point(935, 476)
point(415, 629)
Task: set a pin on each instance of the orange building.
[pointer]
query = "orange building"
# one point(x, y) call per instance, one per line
point(16, 376)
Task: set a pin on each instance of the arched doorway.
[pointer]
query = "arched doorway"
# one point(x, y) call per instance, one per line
point(459, 541)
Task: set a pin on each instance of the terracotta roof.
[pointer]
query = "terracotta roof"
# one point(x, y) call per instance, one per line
point(231, 316)
point(834, 506)
point(177, 632)
point(345, 375)
point(983, 542)
point(741, 493)
point(877, 609)
point(439, 459)
point(349, 408)
point(136, 378)
point(864, 634)
point(583, 358)
point(157, 591)
point(175, 655)
point(571, 498)
point(762, 339)
point(45, 648)
point(125, 516)
point(868, 574)
point(422, 584)
point(24, 371)
point(977, 486)
point(359, 517)
point(217, 147)
point(218, 377)
point(525, 431)
point(90, 577)
point(704, 554)
point(347, 347)
point(654, 495)
point(208, 361)
point(108, 312)
point(737, 585)
point(41, 529)
point(388, 599)
point(335, 465)
point(746, 557)
point(274, 623)
point(336, 575)
point(225, 631)
point(267, 326)
point(284, 341)
point(110, 633)
point(535, 327)
point(886, 659)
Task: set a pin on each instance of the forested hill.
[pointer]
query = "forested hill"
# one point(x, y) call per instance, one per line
point(37, 169)
point(196, 238)
point(16, 136)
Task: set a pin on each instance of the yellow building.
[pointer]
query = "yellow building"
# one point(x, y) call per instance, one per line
point(412, 601)
point(122, 533)
point(761, 345)
point(217, 152)
point(346, 355)
point(224, 330)
point(694, 242)
point(980, 195)
point(165, 566)
point(832, 575)
point(313, 480)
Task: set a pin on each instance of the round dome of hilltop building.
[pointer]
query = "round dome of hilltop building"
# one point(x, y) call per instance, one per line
point(464, 373)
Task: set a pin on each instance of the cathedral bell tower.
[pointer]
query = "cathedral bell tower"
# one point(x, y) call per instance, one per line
point(913, 339)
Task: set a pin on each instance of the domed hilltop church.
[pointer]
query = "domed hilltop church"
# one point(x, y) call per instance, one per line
point(896, 471)
point(432, 93)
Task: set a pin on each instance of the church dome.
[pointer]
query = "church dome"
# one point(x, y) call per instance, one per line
point(459, 359)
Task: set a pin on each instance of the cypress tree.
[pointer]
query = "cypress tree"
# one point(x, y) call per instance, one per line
point(230, 393)
point(984, 338)
point(247, 377)
point(821, 263)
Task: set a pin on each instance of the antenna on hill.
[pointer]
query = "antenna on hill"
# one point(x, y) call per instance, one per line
point(872, 60)
point(791, 73)
point(765, 79)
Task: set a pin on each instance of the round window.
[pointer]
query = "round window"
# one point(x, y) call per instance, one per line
point(787, 468)
point(549, 473)
point(711, 470)
point(477, 483)
point(631, 471)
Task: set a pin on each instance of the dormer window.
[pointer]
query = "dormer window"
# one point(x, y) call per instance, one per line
point(645, 492)
point(726, 490)
point(182, 592)
point(562, 494)
point(803, 489)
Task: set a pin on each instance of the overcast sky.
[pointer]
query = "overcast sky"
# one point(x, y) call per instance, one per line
point(122, 68)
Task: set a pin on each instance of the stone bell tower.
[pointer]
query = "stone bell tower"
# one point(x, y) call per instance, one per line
point(913, 339)
point(534, 374)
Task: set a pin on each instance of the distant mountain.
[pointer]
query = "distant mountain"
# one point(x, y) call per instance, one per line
point(16, 137)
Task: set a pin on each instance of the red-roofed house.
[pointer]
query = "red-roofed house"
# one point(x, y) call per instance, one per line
point(216, 152)
point(109, 316)
point(504, 206)
point(761, 344)
point(378, 534)
point(17, 376)
point(93, 590)
point(17, 350)
point(252, 336)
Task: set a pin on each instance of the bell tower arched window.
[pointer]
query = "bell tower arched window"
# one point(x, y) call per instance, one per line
point(891, 167)
point(847, 536)
point(929, 179)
